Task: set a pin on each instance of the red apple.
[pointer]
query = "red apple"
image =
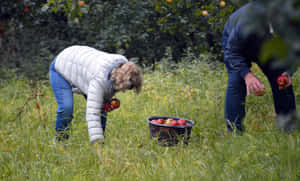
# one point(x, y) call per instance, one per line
point(106, 107)
point(204, 13)
point(174, 123)
point(181, 122)
point(81, 3)
point(154, 121)
point(261, 93)
point(282, 80)
point(168, 121)
point(26, 9)
point(222, 3)
point(161, 121)
point(115, 103)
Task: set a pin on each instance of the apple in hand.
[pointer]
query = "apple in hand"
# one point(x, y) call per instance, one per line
point(115, 103)
point(261, 93)
point(282, 80)
point(106, 107)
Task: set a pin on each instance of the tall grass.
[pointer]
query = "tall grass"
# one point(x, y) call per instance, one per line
point(193, 91)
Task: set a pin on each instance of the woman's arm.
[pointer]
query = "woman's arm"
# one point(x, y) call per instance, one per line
point(93, 111)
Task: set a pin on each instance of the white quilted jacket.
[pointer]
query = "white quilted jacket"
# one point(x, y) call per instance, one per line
point(87, 70)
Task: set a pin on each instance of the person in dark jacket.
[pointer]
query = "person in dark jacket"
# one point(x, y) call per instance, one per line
point(241, 49)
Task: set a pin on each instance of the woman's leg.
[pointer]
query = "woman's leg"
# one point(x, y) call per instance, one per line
point(64, 97)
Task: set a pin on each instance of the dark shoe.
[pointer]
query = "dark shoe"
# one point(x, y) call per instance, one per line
point(288, 122)
point(234, 129)
point(61, 136)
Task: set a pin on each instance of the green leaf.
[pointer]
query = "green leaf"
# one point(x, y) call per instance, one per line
point(274, 47)
point(198, 13)
point(51, 2)
point(158, 8)
point(54, 9)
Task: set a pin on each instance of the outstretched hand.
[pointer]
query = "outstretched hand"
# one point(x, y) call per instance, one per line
point(253, 84)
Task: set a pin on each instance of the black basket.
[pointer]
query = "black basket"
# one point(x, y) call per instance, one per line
point(170, 135)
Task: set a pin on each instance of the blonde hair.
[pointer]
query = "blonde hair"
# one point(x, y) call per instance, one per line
point(127, 76)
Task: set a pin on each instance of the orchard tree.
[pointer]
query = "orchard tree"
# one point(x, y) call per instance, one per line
point(32, 32)
point(146, 28)
point(285, 19)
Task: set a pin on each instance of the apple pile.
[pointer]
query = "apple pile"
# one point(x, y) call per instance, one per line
point(171, 122)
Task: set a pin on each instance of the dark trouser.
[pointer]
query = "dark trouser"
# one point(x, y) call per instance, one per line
point(284, 100)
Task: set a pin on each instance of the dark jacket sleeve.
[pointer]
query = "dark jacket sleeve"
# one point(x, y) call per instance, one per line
point(234, 51)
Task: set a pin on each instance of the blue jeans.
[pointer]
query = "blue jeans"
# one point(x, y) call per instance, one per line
point(62, 90)
point(284, 100)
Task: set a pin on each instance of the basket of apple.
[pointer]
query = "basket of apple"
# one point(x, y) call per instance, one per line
point(170, 130)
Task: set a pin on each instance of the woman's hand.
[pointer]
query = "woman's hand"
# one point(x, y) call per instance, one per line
point(253, 84)
point(110, 106)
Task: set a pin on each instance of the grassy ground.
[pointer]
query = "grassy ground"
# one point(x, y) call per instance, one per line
point(196, 92)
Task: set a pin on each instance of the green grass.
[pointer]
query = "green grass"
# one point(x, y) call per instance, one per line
point(196, 92)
